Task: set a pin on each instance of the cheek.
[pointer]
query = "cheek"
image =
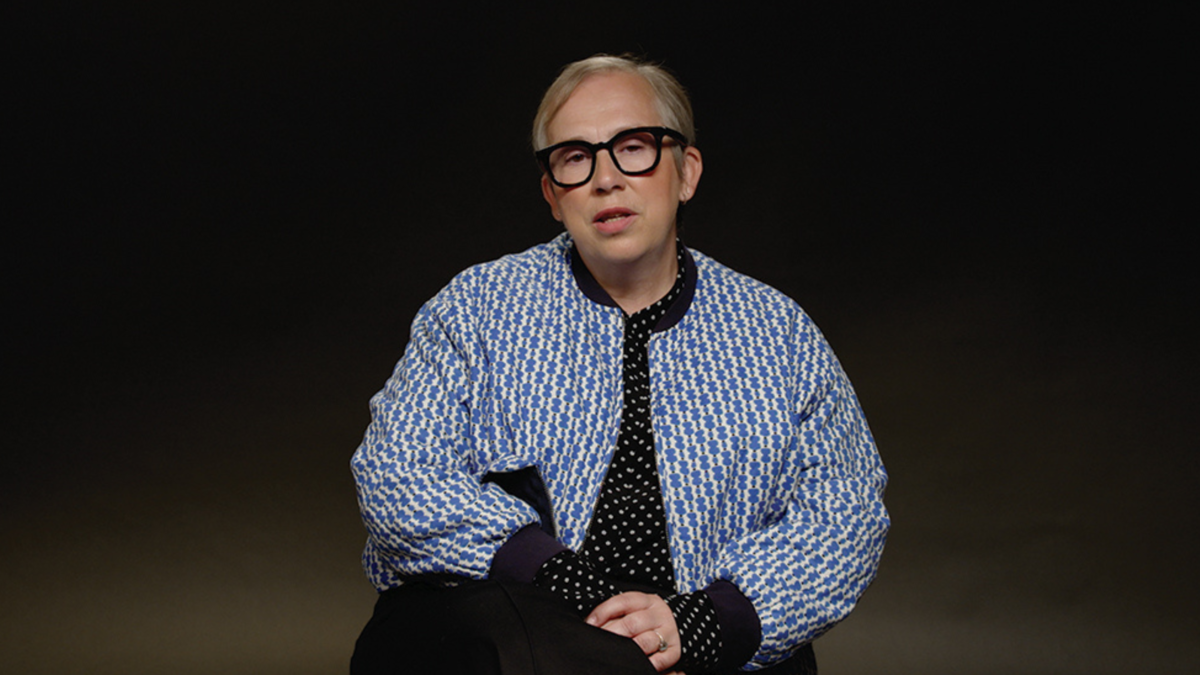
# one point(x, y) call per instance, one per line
point(572, 218)
point(571, 206)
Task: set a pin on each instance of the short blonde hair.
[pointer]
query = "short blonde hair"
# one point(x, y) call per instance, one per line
point(670, 98)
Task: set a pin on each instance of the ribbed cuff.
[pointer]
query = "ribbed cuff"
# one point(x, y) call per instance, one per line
point(741, 631)
point(520, 558)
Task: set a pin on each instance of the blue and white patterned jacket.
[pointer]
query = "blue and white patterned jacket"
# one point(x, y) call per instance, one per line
point(769, 473)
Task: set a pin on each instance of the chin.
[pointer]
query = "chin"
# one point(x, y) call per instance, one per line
point(618, 251)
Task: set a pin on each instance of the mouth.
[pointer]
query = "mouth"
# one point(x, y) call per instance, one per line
point(611, 221)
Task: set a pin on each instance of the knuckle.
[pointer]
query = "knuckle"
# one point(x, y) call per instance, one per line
point(645, 645)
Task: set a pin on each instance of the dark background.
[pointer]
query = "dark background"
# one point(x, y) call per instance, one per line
point(222, 218)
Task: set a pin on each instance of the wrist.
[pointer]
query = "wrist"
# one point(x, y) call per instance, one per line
point(699, 631)
point(738, 622)
point(569, 576)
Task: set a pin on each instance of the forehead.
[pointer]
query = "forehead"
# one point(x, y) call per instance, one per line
point(603, 105)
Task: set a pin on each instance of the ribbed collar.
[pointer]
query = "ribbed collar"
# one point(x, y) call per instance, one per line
point(596, 293)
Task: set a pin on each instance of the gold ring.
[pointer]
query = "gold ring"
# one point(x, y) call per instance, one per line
point(662, 642)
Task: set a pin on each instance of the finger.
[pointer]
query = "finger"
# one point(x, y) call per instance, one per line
point(619, 626)
point(665, 660)
point(642, 621)
point(617, 606)
point(650, 641)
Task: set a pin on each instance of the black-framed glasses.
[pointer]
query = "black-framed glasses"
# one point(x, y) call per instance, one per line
point(634, 152)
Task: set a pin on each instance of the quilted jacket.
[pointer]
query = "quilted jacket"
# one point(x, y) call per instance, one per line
point(769, 473)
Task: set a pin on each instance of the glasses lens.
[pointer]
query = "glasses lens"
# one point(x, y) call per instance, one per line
point(571, 164)
point(635, 152)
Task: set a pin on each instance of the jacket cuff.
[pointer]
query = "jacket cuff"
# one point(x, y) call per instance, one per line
point(741, 631)
point(520, 558)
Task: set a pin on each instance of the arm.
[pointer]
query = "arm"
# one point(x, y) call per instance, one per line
point(418, 468)
point(805, 572)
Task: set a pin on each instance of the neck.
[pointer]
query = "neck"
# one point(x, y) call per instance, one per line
point(636, 285)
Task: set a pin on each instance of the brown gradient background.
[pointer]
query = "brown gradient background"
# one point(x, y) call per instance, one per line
point(223, 218)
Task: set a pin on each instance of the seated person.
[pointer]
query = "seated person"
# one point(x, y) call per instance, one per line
point(610, 453)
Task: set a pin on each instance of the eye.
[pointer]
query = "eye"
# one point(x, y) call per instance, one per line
point(571, 155)
point(635, 144)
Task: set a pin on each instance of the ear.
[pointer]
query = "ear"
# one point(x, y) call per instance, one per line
point(550, 197)
point(693, 166)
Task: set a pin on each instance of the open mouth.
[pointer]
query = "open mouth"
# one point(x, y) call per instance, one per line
point(611, 215)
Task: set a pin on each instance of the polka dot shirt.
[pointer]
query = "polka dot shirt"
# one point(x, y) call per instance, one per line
point(627, 539)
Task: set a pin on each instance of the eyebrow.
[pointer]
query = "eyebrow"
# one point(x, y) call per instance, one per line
point(578, 139)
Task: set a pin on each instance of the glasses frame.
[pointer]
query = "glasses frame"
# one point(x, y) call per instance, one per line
point(543, 155)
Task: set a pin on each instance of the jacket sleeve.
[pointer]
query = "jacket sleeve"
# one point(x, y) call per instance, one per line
point(804, 572)
point(418, 470)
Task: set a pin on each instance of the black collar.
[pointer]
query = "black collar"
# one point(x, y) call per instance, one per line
point(596, 293)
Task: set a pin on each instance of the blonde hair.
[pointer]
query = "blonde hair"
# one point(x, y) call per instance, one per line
point(670, 98)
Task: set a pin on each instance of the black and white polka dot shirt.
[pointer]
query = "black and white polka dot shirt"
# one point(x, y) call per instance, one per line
point(627, 539)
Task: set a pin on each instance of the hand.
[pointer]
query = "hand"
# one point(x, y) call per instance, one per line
point(642, 617)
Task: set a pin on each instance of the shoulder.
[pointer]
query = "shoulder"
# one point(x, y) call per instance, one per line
point(729, 292)
point(552, 257)
point(746, 314)
point(513, 278)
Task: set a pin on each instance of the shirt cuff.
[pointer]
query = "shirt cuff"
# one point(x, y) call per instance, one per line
point(699, 632)
point(741, 631)
point(572, 578)
point(520, 558)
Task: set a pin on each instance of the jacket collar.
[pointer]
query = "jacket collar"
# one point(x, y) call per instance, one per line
point(596, 293)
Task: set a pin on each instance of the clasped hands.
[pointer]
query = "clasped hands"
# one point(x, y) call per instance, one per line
point(643, 617)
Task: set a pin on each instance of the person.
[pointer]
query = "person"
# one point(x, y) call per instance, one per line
point(610, 453)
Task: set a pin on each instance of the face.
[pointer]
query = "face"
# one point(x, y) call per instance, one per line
point(621, 224)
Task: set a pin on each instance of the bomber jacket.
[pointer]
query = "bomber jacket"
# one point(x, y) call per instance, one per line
point(769, 473)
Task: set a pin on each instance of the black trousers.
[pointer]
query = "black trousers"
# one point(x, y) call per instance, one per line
point(487, 628)
point(498, 628)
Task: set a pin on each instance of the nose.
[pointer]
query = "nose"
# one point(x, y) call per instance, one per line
point(608, 177)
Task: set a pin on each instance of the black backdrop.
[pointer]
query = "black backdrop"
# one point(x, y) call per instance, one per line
point(223, 217)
